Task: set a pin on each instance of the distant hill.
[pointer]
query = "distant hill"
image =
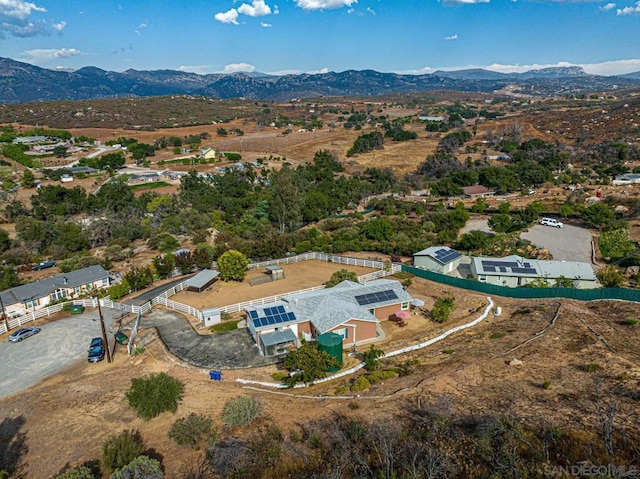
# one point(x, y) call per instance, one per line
point(22, 82)
point(635, 75)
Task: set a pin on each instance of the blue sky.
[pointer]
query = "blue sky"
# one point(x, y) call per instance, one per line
point(295, 36)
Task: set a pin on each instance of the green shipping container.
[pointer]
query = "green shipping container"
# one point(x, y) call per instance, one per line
point(332, 344)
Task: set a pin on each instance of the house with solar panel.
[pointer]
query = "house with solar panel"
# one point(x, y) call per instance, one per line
point(437, 258)
point(351, 310)
point(513, 271)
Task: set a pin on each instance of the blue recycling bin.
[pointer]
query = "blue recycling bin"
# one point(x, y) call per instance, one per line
point(215, 375)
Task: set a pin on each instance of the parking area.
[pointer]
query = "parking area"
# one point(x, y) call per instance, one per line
point(569, 243)
point(60, 344)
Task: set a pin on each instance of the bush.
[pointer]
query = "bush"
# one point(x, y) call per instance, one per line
point(378, 376)
point(370, 356)
point(360, 384)
point(241, 411)
point(546, 384)
point(142, 467)
point(630, 321)
point(191, 430)
point(120, 450)
point(590, 368)
point(442, 308)
point(497, 335)
point(80, 472)
point(449, 351)
point(154, 394)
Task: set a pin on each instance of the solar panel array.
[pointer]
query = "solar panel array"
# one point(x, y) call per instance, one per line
point(505, 266)
point(446, 255)
point(379, 297)
point(272, 315)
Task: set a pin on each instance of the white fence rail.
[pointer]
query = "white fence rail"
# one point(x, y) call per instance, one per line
point(384, 269)
point(359, 366)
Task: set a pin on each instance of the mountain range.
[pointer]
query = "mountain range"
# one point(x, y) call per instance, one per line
point(23, 82)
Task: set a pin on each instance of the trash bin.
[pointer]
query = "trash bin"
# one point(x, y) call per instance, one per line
point(215, 375)
point(121, 338)
point(76, 309)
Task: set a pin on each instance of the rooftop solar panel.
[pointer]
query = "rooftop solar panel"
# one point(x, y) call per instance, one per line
point(446, 255)
point(378, 297)
point(271, 320)
point(280, 309)
point(253, 314)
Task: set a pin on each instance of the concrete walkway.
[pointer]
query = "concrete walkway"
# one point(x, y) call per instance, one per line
point(232, 350)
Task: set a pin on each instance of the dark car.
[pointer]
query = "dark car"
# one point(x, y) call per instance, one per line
point(23, 333)
point(44, 265)
point(96, 350)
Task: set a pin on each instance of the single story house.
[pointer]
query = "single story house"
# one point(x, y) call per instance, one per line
point(440, 259)
point(37, 295)
point(352, 310)
point(476, 191)
point(626, 179)
point(513, 271)
point(430, 118)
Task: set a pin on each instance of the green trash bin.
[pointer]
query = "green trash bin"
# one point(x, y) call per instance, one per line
point(76, 309)
point(121, 338)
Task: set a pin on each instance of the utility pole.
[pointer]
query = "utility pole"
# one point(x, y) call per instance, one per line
point(104, 333)
point(2, 315)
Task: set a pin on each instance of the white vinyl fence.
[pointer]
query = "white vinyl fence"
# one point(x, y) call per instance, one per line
point(357, 367)
point(383, 269)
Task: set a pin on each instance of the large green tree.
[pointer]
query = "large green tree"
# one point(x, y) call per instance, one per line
point(232, 265)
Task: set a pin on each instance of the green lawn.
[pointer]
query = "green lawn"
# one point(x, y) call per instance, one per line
point(149, 186)
point(224, 326)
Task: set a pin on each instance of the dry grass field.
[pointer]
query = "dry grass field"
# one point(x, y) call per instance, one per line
point(65, 419)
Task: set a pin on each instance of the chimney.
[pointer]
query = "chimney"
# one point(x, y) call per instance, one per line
point(65, 279)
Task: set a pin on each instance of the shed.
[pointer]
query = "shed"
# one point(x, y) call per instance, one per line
point(211, 316)
point(276, 272)
point(202, 280)
point(440, 259)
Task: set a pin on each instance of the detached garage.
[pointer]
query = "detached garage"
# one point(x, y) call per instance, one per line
point(437, 258)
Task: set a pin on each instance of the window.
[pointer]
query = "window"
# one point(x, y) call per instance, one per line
point(59, 294)
point(404, 306)
point(344, 332)
point(77, 290)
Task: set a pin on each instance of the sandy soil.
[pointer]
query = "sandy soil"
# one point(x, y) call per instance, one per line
point(302, 275)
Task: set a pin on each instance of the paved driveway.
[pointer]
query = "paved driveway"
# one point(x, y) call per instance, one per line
point(569, 243)
point(232, 350)
point(59, 345)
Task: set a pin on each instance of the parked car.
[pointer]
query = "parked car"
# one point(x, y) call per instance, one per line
point(44, 265)
point(96, 350)
point(551, 222)
point(23, 333)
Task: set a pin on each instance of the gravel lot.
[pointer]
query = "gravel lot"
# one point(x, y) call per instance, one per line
point(569, 243)
point(60, 344)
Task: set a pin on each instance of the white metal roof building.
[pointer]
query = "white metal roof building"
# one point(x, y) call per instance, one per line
point(514, 271)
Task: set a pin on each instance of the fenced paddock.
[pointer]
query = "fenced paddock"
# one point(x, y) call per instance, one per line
point(382, 269)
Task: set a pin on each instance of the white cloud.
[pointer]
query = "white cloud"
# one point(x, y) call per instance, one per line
point(276, 10)
point(45, 54)
point(230, 16)
point(143, 25)
point(238, 67)
point(371, 11)
point(451, 37)
point(324, 4)
point(257, 9)
point(629, 10)
point(615, 67)
point(265, 25)
point(58, 27)
point(16, 19)
point(607, 7)
point(18, 9)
